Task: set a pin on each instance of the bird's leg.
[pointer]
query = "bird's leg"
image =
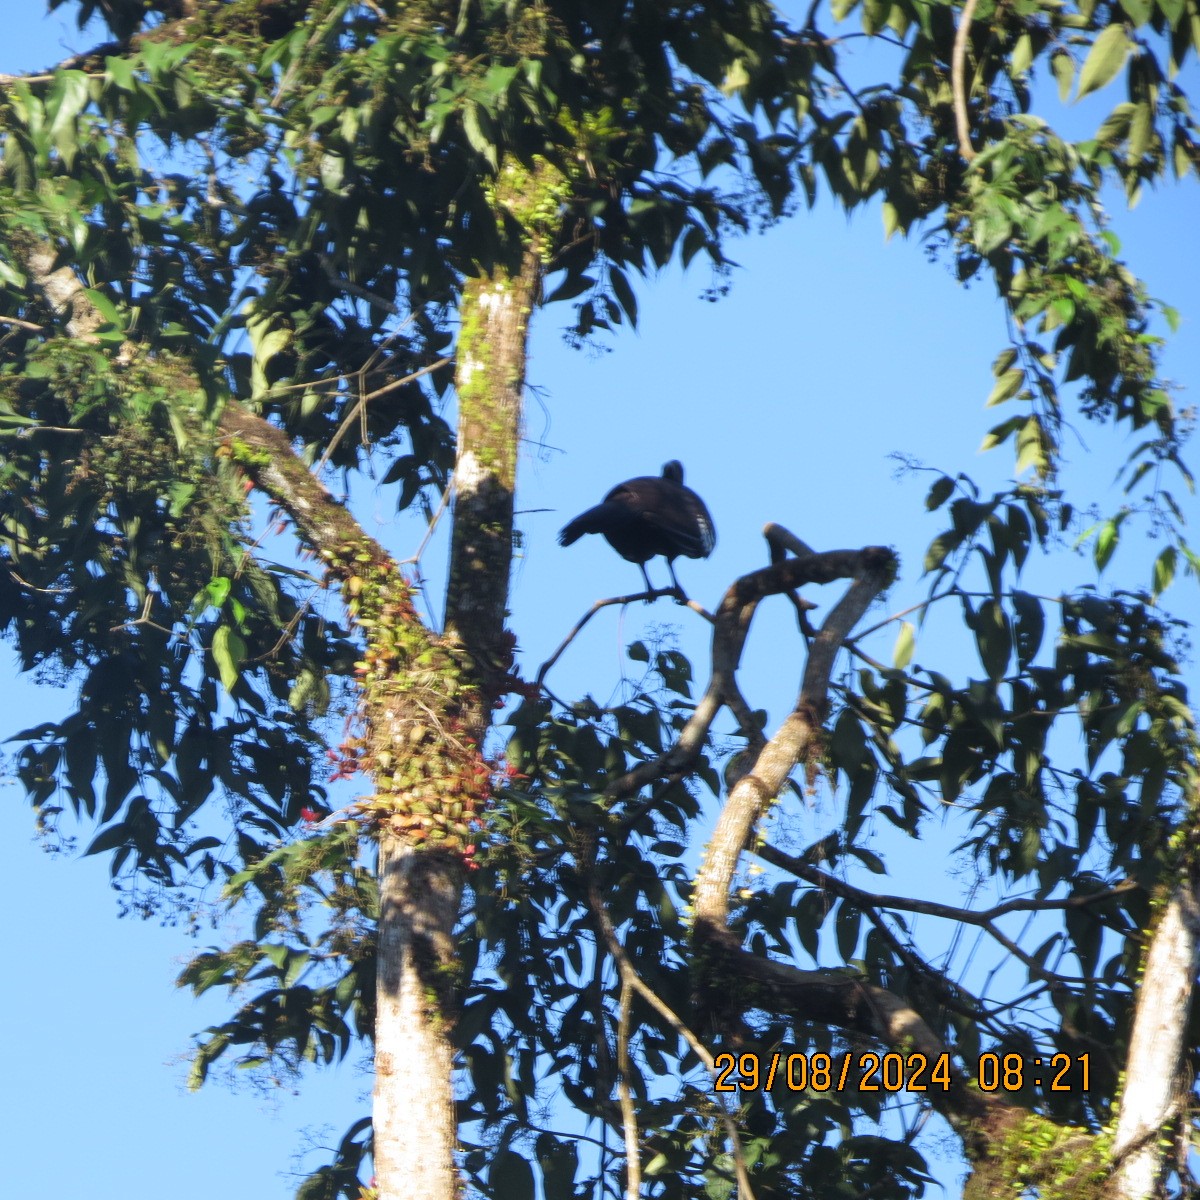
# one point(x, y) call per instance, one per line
point(681, 595)
point(646, 577)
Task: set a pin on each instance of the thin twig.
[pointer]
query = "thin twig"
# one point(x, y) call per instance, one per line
point(361, 406)
point(896, 616)
point(653, 594)
point(144, 619)
point(630, 977)
point(22, 324)
point(443, 504)
point(34, 588)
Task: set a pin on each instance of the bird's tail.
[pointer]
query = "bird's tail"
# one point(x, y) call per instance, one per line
point(592, 521)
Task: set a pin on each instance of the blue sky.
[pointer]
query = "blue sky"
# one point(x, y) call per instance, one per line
point(785, 401)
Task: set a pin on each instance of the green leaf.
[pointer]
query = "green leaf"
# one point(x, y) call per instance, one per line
point(1031, 447)
point(119, 72)
point(229, 651)
point(941, 491)
point(1164, 570)
point(1105, 58)
point(1007, 386)
point(993, 638)
point(1063, 66)
point(108, 839)
point(1030, 627)
point(12, 421)
point(67, 99)
point(875, 15)
point(1141, 129)
point(180, 495)
point(999, 434)
point(1181, 157)
point(1138, 10)
point(847, 925)
point(1004, 360)
point(1106, 542)
point(106, 308)
point(267, 344)
point(497, 80)
point(624, 294)
point(276, 952)
point(939, 549)
point(475, 118)
point(1022, 55)
point(906, 643)
point(735, 79)
point(216, 591)
point(992, 228)
point(573, 285)
point(891, 220)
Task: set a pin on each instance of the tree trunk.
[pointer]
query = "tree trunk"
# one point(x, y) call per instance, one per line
point(416, 1130)
point(420, 887)
point(1150, 1100)
point(490, 380)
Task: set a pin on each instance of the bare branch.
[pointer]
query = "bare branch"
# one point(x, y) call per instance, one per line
point(871, 569)
point(544, 669)
point(851, 1003)
point(1157, 1040)
point(782, 541)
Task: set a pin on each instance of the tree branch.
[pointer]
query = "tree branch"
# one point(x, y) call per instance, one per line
point(545, 668)
point(261, 449)
point(871, 569)
point(851, 1003)
point(962, 36)
point(860, 896)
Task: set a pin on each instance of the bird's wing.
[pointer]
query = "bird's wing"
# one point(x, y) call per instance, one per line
point(686, 527)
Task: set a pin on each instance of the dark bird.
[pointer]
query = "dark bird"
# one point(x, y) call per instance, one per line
point(648, 516)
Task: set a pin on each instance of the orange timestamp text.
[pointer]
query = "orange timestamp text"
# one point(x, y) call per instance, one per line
point(916, 1072)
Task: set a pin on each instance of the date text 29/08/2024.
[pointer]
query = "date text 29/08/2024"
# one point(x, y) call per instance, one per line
point(896, 1072)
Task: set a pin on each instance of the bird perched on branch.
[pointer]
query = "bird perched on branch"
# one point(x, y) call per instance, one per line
point(644, 517)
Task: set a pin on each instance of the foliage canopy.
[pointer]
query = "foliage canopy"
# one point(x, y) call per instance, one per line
point(243, 244)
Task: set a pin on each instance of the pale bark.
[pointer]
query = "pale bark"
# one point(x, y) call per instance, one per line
point(1150, 1100)
point(871, 570)
point(415, 1127)
point(489, 382)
